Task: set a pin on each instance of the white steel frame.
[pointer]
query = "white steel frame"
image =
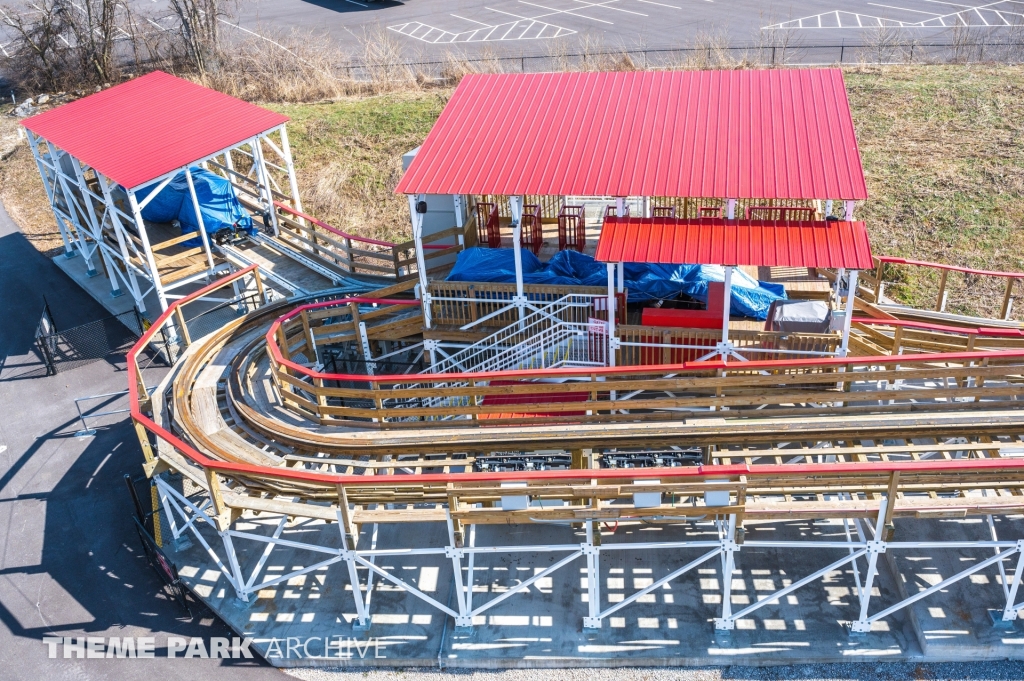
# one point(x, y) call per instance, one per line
point(83, 216)
point(724, 348)
point(183, 515)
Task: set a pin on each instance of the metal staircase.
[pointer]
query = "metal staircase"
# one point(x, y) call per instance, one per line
point(559, 334)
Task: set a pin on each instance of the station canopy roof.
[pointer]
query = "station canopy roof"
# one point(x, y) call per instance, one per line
point(149, 126)
point(773, 134)
point(706, 241)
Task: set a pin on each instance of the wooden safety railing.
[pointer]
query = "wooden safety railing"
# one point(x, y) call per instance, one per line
point(689, 207)
point(873, 283)
point(754, 490)
point(893, 336)
point(647, 345)
point(356, 254)
point(640, 393)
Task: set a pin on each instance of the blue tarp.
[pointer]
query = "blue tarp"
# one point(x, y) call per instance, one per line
point(750, 298)
point(217, 202)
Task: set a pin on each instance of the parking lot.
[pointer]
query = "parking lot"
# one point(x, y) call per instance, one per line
point(536, 27)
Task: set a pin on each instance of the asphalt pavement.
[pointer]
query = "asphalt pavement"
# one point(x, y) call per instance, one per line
point(427, 29)
point(71, 564)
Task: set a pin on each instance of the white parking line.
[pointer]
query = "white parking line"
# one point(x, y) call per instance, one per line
point(606, 6)
point(905, 9)
point(660, 4)
point(562, 11)
point(473, 21)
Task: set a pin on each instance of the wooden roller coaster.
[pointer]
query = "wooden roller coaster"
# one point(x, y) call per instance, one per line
point(248, 413)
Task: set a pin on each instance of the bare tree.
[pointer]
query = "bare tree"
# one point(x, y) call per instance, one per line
point(35, 50)
point(198, 24)
point(64, 43)
point(886, 45)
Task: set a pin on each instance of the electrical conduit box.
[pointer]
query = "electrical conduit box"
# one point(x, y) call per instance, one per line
point(517, 502)
point(646, 499)
point(716, 497)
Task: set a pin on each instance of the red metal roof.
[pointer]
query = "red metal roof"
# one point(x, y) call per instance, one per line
point(735, 242)
point(783, 134)
point(149, 126)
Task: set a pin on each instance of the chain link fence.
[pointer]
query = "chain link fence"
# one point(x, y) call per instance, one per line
point(881, 49)
point(91, 342)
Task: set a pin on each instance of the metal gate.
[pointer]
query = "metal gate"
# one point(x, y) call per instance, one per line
point(87, 343)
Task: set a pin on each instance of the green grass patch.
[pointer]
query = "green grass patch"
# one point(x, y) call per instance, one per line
point(942, 146)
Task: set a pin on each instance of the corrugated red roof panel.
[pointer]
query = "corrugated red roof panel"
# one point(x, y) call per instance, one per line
point(776, 134)
point(144, 128)
point(735, 242)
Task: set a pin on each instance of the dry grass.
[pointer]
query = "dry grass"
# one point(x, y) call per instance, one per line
point(943, 154)
point(22, 191)
point(943, 150)
point(348, 156)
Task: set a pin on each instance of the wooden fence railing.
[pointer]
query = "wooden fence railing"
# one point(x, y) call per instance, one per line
point(560, 395)
point(893, 337)
point(648, 345)
point(348, 253)
point(872, 284)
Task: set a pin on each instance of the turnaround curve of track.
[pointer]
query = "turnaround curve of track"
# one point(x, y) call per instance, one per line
point(225, 404)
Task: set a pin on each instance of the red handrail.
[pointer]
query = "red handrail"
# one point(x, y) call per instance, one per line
point(952, 268)
point(966, 330)
point(275, 352)
point(700, 471)
point(334, 230)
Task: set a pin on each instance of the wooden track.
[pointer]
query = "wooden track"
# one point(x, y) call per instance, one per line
point(793, 443)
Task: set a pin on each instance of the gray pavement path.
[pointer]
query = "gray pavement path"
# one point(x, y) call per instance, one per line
point(70, 560)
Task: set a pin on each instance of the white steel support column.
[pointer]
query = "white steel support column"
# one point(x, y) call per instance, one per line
point(115, 223)
point(620, 206)
point(848, 210)
point(348, 553)
point(613, 343)
point(97, 228)
point(455, 554)
point(876, 547)
point(72, 213)
point(470, 565)
point(1010, 610)
point(593, 554)
point(421, 263)
point(293, 183)
point(848, 313)
point(154, 273)
point(726, 304)
point(263, 177)
point(515, 204)
point(236, 570)
point(828, 207)
point(199, 218)
point(729, 549)
point(69, 249)
point(457, 202)
point(364, 340)
point(730, 209)
point(621, 274)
